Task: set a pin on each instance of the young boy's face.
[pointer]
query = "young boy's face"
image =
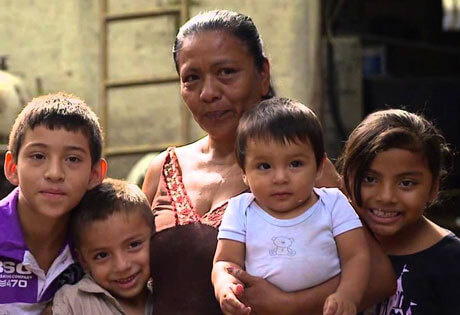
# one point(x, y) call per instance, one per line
point(116, 253)
point(281, 176)
point(53, 171)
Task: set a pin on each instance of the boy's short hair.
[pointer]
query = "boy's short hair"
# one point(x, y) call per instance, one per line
point(283, 120)
point(110, 197)
point(59, 110)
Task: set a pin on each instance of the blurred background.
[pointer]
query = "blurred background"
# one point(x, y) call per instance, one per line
point(344, 59)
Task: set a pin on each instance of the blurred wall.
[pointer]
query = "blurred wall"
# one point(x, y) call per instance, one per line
point(57, 42)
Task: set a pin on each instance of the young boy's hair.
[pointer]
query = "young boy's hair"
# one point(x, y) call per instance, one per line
point(59, 110)
point(387, 129)
point(282, 120)
point(110, 197)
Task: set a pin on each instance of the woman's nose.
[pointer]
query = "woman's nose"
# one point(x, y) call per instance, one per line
point(210, 90)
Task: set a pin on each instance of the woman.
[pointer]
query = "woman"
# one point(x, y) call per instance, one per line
point(223, 71)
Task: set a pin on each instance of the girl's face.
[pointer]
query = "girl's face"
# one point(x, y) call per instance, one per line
point(219, 81)
point(395, 191)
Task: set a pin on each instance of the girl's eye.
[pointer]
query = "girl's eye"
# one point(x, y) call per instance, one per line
point(296, 164)
point(407, 183)
point(369, 179)
point(135, 244)
point(263, 166)
point(100, 256)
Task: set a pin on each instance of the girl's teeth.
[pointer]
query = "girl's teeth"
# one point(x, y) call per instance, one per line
point(384, 214)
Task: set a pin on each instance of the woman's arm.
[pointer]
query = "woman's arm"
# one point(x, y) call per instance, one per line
point(152, 177)
point(265, 298)
point(229, 254)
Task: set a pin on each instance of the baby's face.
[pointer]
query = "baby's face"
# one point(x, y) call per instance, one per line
point(115, 252)
point(281, 176)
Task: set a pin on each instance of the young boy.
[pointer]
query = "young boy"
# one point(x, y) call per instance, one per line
point(111, 229)
point(54, 157)
point(285, 230)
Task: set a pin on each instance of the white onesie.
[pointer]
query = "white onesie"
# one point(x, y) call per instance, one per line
point(292, 254)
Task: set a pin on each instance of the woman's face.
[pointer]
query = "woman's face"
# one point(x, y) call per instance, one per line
point(219, 80)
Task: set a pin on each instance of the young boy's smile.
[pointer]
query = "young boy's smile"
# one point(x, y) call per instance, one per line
point(54, 171)
point(282, 176)
point(116, 253)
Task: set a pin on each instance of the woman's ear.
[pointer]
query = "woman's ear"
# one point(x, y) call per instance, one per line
point(265, 77)
point(10, 169)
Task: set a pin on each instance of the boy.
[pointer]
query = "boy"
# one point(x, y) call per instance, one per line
point(111, 229)
point(285, 230)
point(54, 157)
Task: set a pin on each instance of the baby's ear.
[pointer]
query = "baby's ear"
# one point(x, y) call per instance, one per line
point(245, 179)
point(10, 169)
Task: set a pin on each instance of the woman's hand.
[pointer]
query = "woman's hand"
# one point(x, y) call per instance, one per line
point(260, 295)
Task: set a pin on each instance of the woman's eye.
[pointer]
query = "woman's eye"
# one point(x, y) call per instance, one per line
point(295, 164)
point(226, 71)
point(263, 166)
point(100, 256)
point(190, 78)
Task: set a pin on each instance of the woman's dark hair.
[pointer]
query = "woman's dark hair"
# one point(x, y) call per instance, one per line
point(236, 24)
point(282, 120)
point(388, 129)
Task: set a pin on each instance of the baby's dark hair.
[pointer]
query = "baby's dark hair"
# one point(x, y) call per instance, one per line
point(236, 24)
point(388, 129)
point(282, 120)
point(59, 110)
point(110, 197)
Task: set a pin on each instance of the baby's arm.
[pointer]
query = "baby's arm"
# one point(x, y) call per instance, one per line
point(229, 254)
point(355, 262)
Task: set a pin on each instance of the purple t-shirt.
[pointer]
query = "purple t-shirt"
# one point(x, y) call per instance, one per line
point(24, 287)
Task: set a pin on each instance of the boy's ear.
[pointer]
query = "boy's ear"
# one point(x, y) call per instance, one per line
point(10, 169)
point(82, 260)
point(98, 172)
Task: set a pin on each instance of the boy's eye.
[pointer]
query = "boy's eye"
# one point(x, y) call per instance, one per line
point(135, 244)
point(295, 163)
point(100, 256)
point(263, 166)
point(74, 159)
point(37, 156)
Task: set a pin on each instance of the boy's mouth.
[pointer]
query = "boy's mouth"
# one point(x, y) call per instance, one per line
point(127, 282)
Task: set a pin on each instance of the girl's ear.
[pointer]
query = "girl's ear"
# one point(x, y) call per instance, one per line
point(10, 169)
point(434, 190)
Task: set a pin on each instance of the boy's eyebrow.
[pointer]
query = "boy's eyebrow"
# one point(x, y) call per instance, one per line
point(67, 147)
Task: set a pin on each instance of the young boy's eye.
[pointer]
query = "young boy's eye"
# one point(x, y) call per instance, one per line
point(37, 156)
point(74, 159)
point(295, 163)
point(100, 256)
point(135, 244)
point(263, 166)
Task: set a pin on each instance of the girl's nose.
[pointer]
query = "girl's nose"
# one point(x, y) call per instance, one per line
point(209, 91)
point(385, 193)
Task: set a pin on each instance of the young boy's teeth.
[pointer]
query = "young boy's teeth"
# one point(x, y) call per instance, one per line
point(384, 214)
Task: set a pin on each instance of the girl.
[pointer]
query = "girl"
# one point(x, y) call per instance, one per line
point(392, 166)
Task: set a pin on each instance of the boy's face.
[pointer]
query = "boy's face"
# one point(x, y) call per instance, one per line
point(116, 253)
point(281, 176)
point(53, 171)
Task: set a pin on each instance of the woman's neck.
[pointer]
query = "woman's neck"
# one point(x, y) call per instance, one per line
point(412, 239)
point(221, 152)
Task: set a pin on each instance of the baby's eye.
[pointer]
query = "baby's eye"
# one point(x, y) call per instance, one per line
point(295, 163)
point(263, 166)
point(135, 244)
point(100, 256)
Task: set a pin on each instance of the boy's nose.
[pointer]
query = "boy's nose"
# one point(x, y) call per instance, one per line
point(209, 90)
point(54, 171)
point(122, 263)
point(279, 176)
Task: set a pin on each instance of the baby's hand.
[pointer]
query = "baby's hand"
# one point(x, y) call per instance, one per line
point(337, 304)
point(229, 302)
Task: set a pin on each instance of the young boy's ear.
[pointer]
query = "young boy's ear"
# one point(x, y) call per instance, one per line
point(98, 172)
point(82, 260)
point(10, 169)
